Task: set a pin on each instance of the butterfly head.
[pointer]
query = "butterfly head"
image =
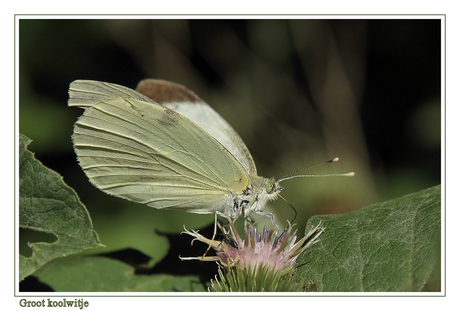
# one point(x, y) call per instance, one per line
point(272, 188)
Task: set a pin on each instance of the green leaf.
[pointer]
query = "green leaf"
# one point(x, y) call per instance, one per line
point(392, 246)
point(47, 204)
point(102, 274)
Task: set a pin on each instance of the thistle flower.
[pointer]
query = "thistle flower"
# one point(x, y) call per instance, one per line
point(262, 261)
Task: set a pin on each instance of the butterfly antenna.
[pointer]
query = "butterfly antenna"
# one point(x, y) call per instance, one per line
point(289, 176)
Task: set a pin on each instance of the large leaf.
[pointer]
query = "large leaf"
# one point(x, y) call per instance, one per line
point(102, 274)
point(392, 246)
point(47, 204)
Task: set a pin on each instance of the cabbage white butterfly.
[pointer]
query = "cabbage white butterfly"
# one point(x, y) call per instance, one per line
point(170, 152)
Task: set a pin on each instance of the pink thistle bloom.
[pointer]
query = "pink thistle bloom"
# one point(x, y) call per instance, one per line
point(265, 253)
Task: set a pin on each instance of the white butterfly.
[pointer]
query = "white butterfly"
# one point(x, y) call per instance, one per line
point(173, 152)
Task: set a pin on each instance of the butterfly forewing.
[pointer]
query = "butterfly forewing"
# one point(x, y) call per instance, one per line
point(150, 154)
point(210, 121)
point(86, 93)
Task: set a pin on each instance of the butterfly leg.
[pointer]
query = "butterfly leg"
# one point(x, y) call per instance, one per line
point(213, 236)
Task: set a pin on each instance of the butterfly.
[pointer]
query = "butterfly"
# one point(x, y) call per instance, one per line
point(165, 147)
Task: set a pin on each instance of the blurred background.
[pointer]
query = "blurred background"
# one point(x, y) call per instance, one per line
point(299, 92)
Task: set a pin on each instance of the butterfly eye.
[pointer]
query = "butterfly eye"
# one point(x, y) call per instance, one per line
point(271, 186)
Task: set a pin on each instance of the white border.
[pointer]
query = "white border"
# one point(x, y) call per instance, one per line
point(222, 301)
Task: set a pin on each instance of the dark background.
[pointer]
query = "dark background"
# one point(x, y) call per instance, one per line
point(298, 92)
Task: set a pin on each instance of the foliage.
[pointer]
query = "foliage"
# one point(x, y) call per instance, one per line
point(102, 274)
point(48, 205)
point(392, 246)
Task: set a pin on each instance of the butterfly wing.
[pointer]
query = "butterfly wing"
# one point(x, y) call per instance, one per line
point(144, 152)
point(210, 121)
point(180, 99)
point(85, 93)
